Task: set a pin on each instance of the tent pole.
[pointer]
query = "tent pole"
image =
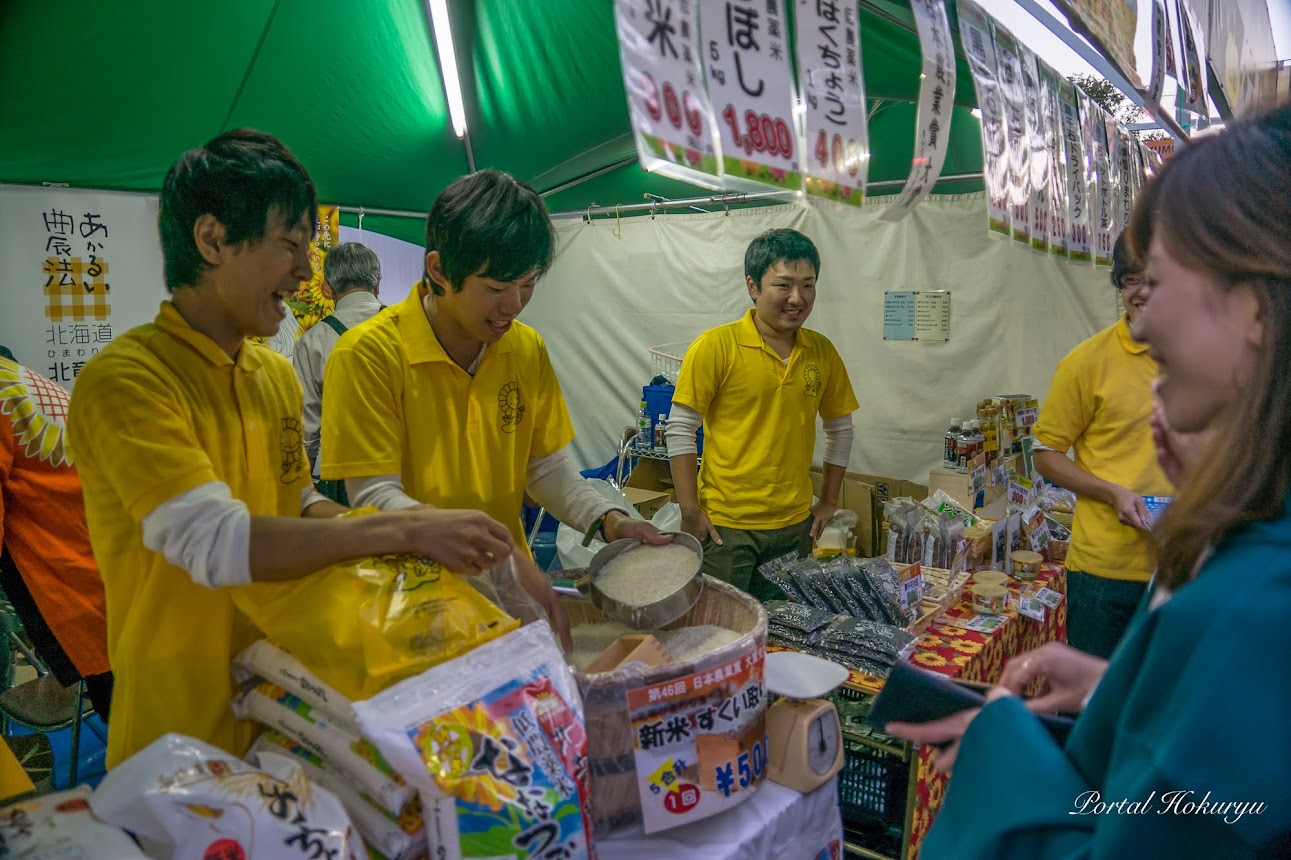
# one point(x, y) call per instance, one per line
point(729, 199)
point(470, 153)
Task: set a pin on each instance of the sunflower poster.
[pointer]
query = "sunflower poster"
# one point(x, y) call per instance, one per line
point(311, 302)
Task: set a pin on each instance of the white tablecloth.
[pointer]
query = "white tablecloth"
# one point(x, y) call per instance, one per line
point(776, 823)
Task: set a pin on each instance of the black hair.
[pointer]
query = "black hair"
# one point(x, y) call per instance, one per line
point(492, 225)
point(1123, 260)
point(776, 245)
point(242, 177)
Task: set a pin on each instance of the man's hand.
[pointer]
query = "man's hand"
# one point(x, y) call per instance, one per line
point(619, 525)
point(821, 514)
point(465, 542)
point(1130, 508)
point(539, 587)
point(697, 524)
point(1066, 677)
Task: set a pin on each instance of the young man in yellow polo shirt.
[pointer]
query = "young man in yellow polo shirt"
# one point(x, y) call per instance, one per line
point(757, 385)
point(1100, 403)
point(445, 398)
point(188, 440)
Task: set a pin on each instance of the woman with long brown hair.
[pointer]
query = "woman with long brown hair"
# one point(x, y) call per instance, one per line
point(1181, 747)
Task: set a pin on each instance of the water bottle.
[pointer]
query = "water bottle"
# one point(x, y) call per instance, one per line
point(643, 440)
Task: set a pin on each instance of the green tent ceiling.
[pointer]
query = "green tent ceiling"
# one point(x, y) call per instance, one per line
point(106, 95)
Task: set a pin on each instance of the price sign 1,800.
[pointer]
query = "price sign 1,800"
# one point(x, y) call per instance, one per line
point(762, 133)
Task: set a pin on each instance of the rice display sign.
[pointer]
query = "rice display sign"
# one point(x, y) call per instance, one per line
point(700, 741)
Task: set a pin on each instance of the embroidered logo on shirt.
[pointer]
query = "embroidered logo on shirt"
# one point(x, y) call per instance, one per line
point(510, 407)
point(810, 379)
point(291, 447)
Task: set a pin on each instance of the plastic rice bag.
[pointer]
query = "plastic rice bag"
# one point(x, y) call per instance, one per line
point(363, 625)
point(347, 753)
point(266, 661)
point(187, 800)
point(496, 744)
point(62, 827)
point(397, 837)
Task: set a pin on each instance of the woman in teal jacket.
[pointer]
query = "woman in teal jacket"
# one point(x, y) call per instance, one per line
point(1182, 747)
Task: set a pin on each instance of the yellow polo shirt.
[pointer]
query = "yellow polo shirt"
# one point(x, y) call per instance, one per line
point(160, 411)
point(1099, 403)
point(760, 420)
point(396, 404)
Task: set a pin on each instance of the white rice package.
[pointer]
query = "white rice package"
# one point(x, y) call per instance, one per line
point(356, 758)
point(397, 837)
point(265, 660)
point(62, 827)
point(187, 800)
point(496, 744)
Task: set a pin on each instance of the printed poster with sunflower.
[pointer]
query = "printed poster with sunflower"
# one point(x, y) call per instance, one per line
point(311, 303)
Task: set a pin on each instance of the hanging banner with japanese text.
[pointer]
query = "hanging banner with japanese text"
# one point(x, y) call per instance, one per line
point(1159, 53)
point(1009, 69)
point(81, 267)
point(1050, 81)
point(1194, 97)
point(750, 85)
point(936, 103)
point(1108, 190)
point(667, 103)
point(1039, 153)
point(833, 89)
point(1124, 174)
point(975, 34)
point(311, 303)
point(1075, 174)
point(699, 741)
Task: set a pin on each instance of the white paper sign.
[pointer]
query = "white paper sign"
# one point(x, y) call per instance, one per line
point(1156, 83)
point(667, 103)
point(1194, 94)
point(1125, 173)
point(1050, 82)
point(1039, 152)
point(746, 52)
point(975, 34)
point(81, 268)
point(1105, 176)
point(1009, 69)
point(833, 90)
point(1077, 187)
point(936, 101)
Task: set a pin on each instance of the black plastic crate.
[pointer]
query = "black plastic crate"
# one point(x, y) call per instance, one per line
point(873, 788)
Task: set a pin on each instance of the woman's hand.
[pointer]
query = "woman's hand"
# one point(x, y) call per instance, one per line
point(948, 730)
point(1067, 677)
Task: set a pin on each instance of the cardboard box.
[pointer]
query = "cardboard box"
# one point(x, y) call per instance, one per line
point(640, 649)
point(865, 495)
point(653, 475)
point(958, 486)
point(647, 502)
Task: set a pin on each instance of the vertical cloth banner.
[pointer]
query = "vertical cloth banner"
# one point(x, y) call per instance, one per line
point(81, 268)
point(975, 34)
point(1108, 189)
point(1012, 89)
point(1195, 97)
point(1160, 55)
point(1124, 173)
point(1050, 84)
point(1076, 175)
point(750, 85)
point(833, 90)
point(1039, 155)
point(936, 100)
point(672, 120)
point(311, 303)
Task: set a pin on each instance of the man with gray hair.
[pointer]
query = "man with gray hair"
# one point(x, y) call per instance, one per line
point(353, 273)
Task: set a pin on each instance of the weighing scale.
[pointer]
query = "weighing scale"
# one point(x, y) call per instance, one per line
point(804, 738)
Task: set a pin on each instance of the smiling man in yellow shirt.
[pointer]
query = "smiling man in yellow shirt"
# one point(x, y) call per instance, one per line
point(758, 385)
point(446, 398)
point(1099, 404)
point(188, 440)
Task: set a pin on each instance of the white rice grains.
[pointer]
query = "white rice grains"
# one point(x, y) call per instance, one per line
point(647, 574)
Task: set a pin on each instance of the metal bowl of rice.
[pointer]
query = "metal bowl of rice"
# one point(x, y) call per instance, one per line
point(643, 585)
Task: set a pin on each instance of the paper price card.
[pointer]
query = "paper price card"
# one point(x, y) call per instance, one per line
point(699, 741)
point(911, 585)
point(668, 105)
point(975, 34)
point(833, 90)
point(1029, 606)
point(750, 84)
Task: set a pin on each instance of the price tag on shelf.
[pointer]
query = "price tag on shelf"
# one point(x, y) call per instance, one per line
point(746, 51)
